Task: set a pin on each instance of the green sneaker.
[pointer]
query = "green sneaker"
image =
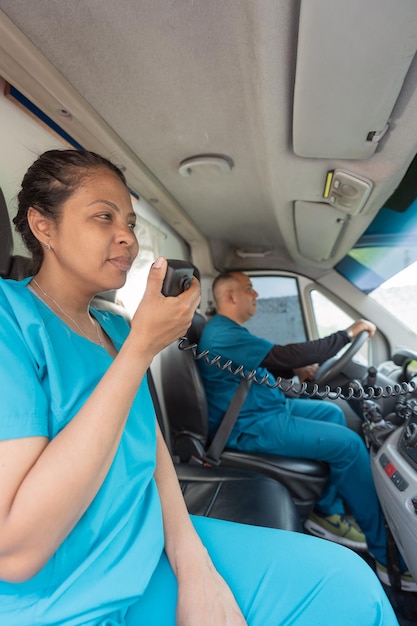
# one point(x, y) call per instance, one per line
point(407, 581)
point(335, 528)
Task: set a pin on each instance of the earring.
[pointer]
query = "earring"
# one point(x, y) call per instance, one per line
point(47, 246)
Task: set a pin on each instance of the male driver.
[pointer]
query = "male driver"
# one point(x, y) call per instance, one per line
point(271, 422)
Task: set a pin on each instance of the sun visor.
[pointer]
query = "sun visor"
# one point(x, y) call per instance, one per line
point(318, 229)
point(349, 78)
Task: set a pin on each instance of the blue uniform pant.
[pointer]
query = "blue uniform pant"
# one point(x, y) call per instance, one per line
point(315, 429)
point(278, 578)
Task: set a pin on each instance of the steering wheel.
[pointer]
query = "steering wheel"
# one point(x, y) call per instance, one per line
point(333, 366)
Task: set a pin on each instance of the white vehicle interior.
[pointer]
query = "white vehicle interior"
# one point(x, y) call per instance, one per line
point(259, 136)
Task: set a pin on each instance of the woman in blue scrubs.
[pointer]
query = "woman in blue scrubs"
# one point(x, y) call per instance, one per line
point(93, 526)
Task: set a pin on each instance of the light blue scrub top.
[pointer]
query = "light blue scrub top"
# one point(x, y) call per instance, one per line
point(47, 373)
point(225, 338)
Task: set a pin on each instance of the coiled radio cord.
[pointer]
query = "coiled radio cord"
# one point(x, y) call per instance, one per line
point(309, 390)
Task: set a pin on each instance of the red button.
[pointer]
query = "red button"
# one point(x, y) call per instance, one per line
point(390, 469)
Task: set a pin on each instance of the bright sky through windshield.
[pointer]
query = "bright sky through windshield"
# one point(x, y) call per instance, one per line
point(405, 277)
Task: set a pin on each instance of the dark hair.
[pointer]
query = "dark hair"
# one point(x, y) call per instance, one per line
point(49, 183)
point(219, 280)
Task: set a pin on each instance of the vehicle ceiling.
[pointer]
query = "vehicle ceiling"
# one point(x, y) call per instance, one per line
point(287, 90)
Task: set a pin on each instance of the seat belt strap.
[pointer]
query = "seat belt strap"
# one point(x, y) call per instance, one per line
point(212, 456)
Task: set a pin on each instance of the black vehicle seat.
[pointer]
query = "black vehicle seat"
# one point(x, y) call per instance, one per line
point(11, 266)
point(231, 494)
point(237, 496)
point(187, 414)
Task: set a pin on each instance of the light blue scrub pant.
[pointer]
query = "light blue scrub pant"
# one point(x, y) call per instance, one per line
point(278, 578)
point(315, 429)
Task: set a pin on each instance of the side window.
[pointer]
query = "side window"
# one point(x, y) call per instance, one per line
point(150, 241)
point(155, 238)
point(279, 315)
point(330, 318)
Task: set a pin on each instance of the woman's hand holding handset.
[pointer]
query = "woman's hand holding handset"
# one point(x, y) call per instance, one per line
point(160, 320)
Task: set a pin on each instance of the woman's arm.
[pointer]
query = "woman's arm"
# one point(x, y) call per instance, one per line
point(45, 486)
point(203, 596)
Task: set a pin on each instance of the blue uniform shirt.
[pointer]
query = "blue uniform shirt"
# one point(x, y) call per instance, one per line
point(224, 337)
point(47, 372)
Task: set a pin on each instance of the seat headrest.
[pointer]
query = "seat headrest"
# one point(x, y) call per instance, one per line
point(196, 328)
point(6, 238)
point(20, 267)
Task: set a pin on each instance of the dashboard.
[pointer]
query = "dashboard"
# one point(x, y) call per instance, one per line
point(394, 467)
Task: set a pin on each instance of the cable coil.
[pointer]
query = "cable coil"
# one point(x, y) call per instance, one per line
point(309, 390)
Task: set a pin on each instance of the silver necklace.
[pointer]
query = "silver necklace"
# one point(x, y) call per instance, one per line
point(59, 307)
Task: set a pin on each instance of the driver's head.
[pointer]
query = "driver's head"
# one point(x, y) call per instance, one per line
point(235, 296)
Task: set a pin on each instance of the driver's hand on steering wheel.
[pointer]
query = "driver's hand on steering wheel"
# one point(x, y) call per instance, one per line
point(361, 325)
point(306, 373)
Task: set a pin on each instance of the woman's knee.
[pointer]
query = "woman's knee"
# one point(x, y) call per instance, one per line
point(305, 580)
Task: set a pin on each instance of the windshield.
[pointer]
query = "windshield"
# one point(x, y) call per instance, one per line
point(399, 296)
point(383, 263)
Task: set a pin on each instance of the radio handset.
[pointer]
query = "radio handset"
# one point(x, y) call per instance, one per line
point(178, 277)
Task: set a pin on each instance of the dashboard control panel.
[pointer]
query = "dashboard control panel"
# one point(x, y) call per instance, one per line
point(408, 441)
point(395, 476)
point(392, 472)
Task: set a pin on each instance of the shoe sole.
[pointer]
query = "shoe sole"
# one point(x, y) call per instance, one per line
point(319, 531)
point(405, 585)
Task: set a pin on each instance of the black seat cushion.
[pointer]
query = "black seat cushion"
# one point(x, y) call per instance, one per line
point(237, 496)
point(232, 495)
